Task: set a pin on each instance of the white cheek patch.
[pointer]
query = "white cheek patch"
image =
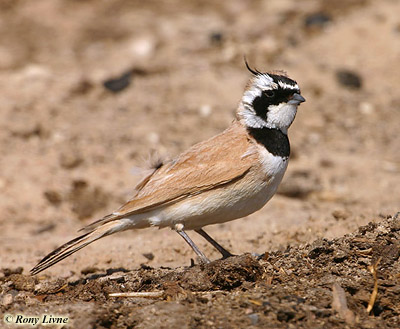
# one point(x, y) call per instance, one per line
point(282, 115)
point(279, 116)
point(250, 95)
point(249, 117)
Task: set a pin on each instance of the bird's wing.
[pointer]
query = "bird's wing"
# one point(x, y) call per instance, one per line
point(207, 165)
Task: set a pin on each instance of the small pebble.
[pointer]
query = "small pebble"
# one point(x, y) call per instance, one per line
point(318, 20)
point(205, 110)
point(153, 138)
point(349, 79)
point(216, 38)
point(7, 299)
point(9, 271)
point(366, 108)
point(149, 255)
point(341, 214)
point(339, 256)
point(253, 318)
point(142, 47)
point(364, 261)
point(118, 84)
point(53, 197)
point(70, 159)
point(89, 270)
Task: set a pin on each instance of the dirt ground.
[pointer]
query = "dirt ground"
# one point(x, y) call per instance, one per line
point(93, 91)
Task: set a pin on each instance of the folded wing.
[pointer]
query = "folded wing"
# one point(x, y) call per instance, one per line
point(209, 164)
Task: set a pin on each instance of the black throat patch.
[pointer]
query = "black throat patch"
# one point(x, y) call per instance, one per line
point(274, 140)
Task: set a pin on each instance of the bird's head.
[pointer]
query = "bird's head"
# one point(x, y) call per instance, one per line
point(269, 101)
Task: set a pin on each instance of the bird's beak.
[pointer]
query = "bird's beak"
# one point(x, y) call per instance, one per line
point(297, 99)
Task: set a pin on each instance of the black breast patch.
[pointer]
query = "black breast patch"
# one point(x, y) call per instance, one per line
point(274, 140)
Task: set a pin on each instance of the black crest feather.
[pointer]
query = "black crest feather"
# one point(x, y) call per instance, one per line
point(254, 72)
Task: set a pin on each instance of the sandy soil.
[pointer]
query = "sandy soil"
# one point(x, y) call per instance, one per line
point(73, 149)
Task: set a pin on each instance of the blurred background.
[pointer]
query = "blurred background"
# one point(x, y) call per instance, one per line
point(91, 91)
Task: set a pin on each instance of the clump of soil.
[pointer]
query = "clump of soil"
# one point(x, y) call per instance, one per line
point(290, 287)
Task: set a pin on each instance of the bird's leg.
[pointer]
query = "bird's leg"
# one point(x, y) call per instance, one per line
point(225, 253)
point(198, 252)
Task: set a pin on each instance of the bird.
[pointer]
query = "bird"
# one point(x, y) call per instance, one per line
point(226, 177)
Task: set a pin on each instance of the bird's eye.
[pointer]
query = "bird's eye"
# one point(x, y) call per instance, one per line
point(269, 93)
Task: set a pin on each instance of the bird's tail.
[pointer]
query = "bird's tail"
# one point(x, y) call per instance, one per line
point(74, 245)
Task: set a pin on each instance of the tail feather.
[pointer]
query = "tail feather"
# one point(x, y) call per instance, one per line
point(71, 247)
point(106, 219)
